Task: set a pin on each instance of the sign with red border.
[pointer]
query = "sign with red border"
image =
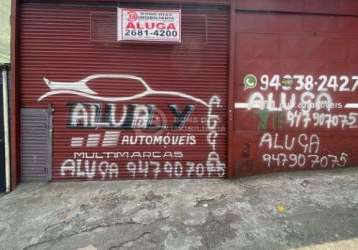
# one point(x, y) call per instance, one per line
point(151, 25)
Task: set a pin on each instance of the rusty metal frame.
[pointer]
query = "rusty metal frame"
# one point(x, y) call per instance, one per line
point(14, 95)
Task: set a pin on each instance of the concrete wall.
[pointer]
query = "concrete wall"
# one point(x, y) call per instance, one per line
point(4, 31)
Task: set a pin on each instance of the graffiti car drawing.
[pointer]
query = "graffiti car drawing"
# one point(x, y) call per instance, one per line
point(81, 88)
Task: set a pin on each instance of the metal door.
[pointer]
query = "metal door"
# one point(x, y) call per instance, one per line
point(35, 144)
point(295, 89)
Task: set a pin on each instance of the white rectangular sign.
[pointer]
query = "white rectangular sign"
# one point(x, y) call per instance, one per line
point(149, 25)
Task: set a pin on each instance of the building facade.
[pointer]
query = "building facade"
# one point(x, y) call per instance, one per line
point(182, 89)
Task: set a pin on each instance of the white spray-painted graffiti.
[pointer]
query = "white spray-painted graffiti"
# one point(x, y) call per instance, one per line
point(80, 88)
point(324, 120)
point(305, 107)
point(80, 165)
point(88, 168)
point(133, 116)
point(310, 106)
point(297, 152)
point(306, 101)
point(117, 117)
point(307, 143)
point(213, 163)
point(113, 139)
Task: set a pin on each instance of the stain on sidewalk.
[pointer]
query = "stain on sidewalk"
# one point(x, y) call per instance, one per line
point(278, 211)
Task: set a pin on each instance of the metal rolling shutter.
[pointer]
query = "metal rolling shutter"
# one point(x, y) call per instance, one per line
point(287, 45)
point(67, 43)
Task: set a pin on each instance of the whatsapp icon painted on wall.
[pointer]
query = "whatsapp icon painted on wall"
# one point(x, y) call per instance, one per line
point(250, 81)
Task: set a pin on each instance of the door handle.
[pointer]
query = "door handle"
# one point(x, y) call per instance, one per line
point(246, 150)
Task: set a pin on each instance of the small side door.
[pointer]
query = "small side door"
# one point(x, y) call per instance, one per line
point(35, 144)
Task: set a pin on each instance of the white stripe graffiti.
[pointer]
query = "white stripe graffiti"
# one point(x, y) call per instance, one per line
point(93, 140)
point(351, 106)
point(110, 139)
point(76, 141)
point(242, 105)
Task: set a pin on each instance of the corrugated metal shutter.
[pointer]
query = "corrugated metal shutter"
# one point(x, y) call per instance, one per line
point(67, 43)
point(294, 129)
point(35, 144)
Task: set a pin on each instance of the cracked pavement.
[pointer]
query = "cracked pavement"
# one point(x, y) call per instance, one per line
point(277, 211)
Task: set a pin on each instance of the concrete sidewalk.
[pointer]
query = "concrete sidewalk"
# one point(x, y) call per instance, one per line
point(307, 210)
